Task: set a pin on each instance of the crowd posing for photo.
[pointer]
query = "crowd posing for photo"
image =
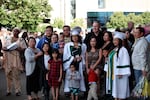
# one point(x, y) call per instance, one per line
point(103, 65)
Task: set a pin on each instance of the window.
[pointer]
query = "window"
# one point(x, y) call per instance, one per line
point(73, 8)
point(101, 3)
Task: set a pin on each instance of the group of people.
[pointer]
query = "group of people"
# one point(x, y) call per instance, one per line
point(78, 63)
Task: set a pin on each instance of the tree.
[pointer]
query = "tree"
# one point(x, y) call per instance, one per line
point(26, 14)
point(146, 17)
point(58, 23)
point(77, 22)
point(137, 19)
point(118, 19)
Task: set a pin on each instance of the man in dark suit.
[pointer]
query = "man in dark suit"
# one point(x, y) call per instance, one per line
point(96, 32)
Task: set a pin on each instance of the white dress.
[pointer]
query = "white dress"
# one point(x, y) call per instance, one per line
point(67, 59)
point(118, 87)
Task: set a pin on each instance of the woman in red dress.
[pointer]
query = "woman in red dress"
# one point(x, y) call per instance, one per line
point(55, 73)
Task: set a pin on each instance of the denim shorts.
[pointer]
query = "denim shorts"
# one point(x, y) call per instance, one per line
point(74, 91)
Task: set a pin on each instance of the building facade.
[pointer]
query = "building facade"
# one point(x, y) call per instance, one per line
point(96, 9)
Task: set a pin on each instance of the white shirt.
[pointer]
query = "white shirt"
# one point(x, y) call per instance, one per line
point(37, 41)
point(46, 59)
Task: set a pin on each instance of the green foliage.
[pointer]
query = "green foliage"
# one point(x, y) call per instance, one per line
point(77, 22)
point(137, 19)
point(146, 17)
point(26, 14)
point(58, 23)
point(118, 19)
point(41, 27)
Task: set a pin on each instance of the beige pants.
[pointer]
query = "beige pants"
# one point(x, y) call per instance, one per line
point(13, 77)
point(92, 92)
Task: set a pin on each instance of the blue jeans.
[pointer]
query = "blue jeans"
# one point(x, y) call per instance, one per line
point(137, 74)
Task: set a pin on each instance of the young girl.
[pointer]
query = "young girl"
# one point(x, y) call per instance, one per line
point(42, 62)
point(74, 81)
point(55, 73)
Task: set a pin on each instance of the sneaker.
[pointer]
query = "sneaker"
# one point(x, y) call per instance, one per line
point(18, 93)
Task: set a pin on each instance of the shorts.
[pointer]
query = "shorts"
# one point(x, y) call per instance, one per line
point(74, 91)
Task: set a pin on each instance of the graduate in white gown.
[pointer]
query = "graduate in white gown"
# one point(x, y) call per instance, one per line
point(74, 51)
point(118, 70)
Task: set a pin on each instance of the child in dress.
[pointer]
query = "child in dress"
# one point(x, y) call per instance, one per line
point(92, 79)
point(55, 73)
point(74, 81)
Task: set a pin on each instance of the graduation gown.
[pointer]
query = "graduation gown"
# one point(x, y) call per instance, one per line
point(68, 58)
point(118, 87)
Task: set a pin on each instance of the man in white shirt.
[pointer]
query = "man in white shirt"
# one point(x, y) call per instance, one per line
point(139, 55)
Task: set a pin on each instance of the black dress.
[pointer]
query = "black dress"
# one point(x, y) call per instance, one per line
point(42, 79)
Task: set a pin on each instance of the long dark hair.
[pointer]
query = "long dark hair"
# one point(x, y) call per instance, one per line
point(110, 35)
point(119, 46)
point(79, 39)
point(55, 51)
point(89, 46)
point(49, 50)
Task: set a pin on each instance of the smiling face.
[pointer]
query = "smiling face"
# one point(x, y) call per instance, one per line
point(96, 27)
point(106, 37)
point(116, 41)
point(54, 38)
point(54, 55)
point(72, 68)
point(66, 31)
point(48, 32)
point(93, 42)
point(16, 33)
point(75, 38)
point(137, 33)
point(32, 42)
point(45, 48)
point(105, 53)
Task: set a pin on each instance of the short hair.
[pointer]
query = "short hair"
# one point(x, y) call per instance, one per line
point(130, 22)
point(97, 21)
point(73, 63)
point(67, 27)
point(51, 27)
point(32, 39)
point(141, 29)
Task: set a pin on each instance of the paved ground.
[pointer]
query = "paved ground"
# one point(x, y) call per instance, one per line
point(23, 83)
point(23, 96)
